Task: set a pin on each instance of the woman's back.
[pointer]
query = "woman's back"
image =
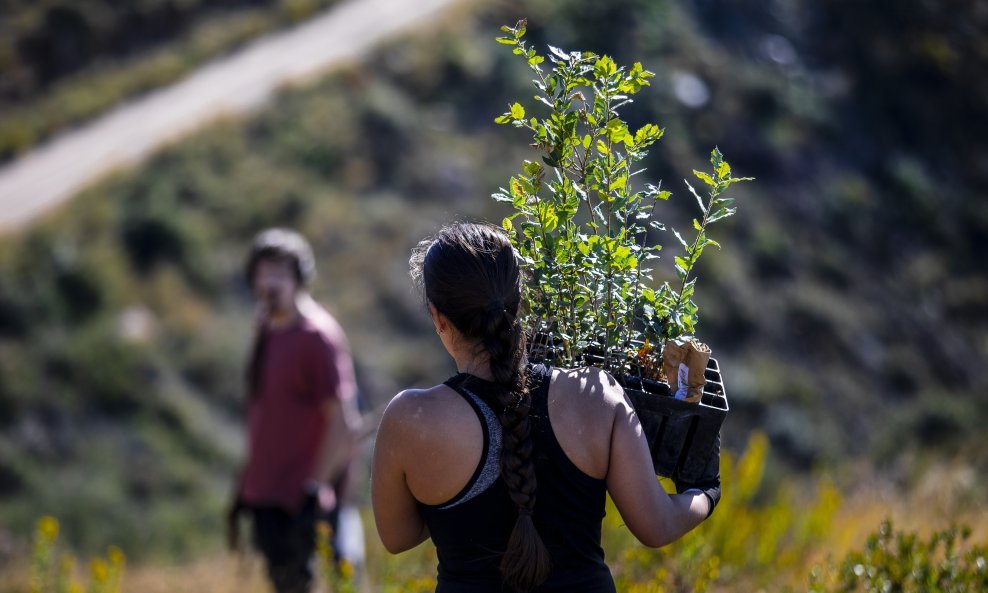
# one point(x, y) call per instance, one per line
point(471, 529)
point(444, 436)
point(570, 423)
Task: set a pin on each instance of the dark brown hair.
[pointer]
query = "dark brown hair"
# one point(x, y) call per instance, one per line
point(470, 274)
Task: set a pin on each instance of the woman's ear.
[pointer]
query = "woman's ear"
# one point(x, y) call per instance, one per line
point(438, 319)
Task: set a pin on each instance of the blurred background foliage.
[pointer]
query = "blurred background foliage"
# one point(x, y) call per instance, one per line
point(848, 308)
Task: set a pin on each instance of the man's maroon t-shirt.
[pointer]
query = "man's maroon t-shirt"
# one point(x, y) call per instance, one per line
point(304, 365)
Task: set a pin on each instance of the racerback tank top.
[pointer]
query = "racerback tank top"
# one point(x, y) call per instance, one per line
point(471, 530)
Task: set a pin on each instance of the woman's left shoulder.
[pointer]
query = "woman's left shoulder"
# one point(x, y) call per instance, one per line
point(425, 408)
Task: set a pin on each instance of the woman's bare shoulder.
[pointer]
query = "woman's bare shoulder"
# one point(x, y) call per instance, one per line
point(584, 404)
point(427, 409)
point(591, 386)
point(419, 402)
point(590, 393)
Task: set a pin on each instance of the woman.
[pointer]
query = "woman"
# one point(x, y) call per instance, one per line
point(506, 466)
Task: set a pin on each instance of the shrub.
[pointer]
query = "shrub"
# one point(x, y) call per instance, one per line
point(754, 536)
point(905, 563)
point(52, 572)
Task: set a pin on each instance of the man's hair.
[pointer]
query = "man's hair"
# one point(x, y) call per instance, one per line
point(286, 245)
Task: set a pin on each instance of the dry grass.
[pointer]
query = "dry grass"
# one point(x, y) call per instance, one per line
point(222, 573)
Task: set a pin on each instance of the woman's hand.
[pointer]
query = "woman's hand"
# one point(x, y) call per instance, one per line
point(709, 481)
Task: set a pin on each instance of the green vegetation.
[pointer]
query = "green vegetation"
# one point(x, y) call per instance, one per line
point(763, 535)
point(899, 561)
point(64, 62)
point(55, 572)
point(757, 536)
point(589, 284)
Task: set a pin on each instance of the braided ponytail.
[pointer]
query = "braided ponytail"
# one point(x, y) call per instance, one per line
point(526, 562)
point(471, 275)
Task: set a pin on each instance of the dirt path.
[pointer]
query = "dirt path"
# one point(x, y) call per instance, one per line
point(237, 84)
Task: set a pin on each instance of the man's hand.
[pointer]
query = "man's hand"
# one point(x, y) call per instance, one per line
point(324, 494)
point(233, 524)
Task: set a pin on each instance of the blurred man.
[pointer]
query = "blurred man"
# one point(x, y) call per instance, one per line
point(302, 418)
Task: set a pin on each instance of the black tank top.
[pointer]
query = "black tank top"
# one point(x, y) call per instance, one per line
point(471, 530)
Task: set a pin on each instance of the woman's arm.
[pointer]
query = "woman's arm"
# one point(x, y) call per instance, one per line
point(653, 516)
point(396, 514)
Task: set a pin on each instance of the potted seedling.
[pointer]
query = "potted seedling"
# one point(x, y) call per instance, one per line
point(585, 232)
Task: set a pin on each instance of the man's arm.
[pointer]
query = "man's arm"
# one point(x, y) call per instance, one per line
point(340, 439)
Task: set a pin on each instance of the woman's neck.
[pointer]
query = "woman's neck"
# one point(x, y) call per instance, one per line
point(473, 365)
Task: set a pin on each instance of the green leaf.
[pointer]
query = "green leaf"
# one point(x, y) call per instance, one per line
point(705, 178)
point(617, 130)
point(602, 147)
point(532, 168)
point(618, 183)
point(519, 197)
point(722, 213)
point(503, 119)
point(506, 224)
point(586, 141)
point(681, 240)
point(533, 60)
point(648, 134)
point(547, 217)
point(559, 53)
point(696, 225)
point(681, 267)
point(699, 200)
point(604, 67)
point(506, 41)
point(723, 170)
point(517, 111)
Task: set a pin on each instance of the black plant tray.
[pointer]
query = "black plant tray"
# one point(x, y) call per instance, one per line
point(681, 435)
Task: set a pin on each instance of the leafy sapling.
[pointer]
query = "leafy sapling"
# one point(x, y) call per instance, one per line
point(581, 228)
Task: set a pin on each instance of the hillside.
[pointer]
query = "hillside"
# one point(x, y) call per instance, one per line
point(848, 308)
point(62, 63)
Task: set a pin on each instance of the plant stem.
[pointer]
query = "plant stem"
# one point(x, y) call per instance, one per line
point(689, 253)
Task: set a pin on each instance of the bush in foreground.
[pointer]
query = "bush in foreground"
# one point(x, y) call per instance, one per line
point(901, 562)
